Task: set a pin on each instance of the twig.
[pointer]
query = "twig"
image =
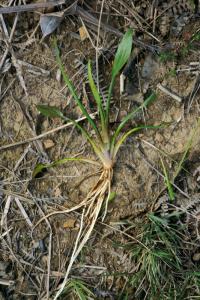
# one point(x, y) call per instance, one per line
point(6, 282)
point(169, 93)
point(6, 210)
point(18, 71)
point(8, 37)
point(34, 69)
point(23, 212)
point(73, 257)
point(30, 7)
point(7, 88)
point(22, 158)
point(40, 136)
point(19, 261)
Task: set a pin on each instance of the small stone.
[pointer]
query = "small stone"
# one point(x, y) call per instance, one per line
point(196, 257)
point(58, 75)
point(48, 144)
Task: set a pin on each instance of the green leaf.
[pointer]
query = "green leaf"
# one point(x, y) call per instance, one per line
point(96, 95)
point(112, 196)
point(168, 182)
point(127, 134)
point(73, 91)
point(40, 167)
point(121, 57)
point(82, 291)
point(149, 100)
point(123, 52)
point(50, 111)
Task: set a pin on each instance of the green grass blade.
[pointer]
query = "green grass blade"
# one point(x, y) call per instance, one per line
point(96, 95)
point(73, 91)
point(123, 53)
point(77, 288)
point(84, 291)
point(79, 292)
point(168, 182)
point(121, 57)
point(51, 111)
point(149, 100)
point(116, 147)
point(108, 100)
point(40, 167)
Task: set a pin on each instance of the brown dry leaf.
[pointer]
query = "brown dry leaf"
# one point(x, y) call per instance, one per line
point(83, 33)
point(57, 273)
point(70, 223)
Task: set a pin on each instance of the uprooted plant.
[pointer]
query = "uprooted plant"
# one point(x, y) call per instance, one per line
point(105, 144)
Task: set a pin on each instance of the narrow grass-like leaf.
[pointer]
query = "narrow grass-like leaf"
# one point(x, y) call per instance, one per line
point(82, 291)
point(168, 182)
point(121, 57)
point(108, 100)
point(77, 288)
point(51, 111)
point(157, 221)
point(123, 53)
point(40, 167)
point(96, 95)
point(73, 91)
point(116, 147)
point(149, 100)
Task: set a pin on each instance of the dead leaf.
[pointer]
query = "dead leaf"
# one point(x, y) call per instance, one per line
point(83, 33)
point(70, 223)
point(50, 22)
